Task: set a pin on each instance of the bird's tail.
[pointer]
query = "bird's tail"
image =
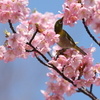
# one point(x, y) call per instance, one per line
point(80, 50)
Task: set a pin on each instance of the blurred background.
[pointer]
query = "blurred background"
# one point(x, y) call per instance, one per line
point(23, 79)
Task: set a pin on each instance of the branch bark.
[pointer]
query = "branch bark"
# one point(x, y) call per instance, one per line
point(89, 33)
point(11, 26)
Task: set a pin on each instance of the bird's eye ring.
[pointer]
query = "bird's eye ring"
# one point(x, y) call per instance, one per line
point(60, 22)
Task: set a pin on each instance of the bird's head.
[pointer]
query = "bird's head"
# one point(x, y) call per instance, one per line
point(58, 25)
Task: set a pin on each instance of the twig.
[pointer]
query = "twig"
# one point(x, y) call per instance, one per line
point(49, 54)
point(42, 61)
point(67, 79)
point(86, 92)
point(63, 68)
point(11, 26)
point(34, 49)
point(30, 50)
point(91, 88)
point(90, 33)
point(33, 36)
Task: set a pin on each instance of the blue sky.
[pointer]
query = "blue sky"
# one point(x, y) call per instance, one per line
point(24, 78)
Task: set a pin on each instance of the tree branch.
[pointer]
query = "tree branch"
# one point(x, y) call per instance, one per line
point(34, 49)
point(11, 26)
point(42, 61)
point(60, 73)
point(86, 92)
point(83, 90)
point(33, 36)
point(91, 87)
point(49, 54)
point(83, 21)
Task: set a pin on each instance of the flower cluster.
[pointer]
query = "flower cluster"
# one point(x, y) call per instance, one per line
point(75, 66)
point(87, 9)
point(45, 37)
point(14, 10)
point(37, 31)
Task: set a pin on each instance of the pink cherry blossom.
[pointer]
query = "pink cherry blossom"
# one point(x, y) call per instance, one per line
point(55, 97)
point(52, 76)
point(45, 36)
point(70, 90)
point(84, 13)
point(62, 60)
point(95, 26)
point(89, 2)
point(88, 73)
point(87, 9)
point(97, 81)
point(14, 10)
point(69, 71)
point(45, 93)
point(2, 52)
point(18, 51)
point(70, 1)
point(79, 83)
point(71, 13)
point(9, 56)
point(88, 82)
point(74, 66)
point(97, 68)
point(15, 40)
point(52, 87)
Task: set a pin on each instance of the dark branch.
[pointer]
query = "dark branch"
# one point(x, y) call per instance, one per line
point(42, 61)
point(90, 33)
point(63, 68)
point(34, 49)
point(91, 88)
point(67, 79)
point(11, 26)
point(49, 54)
point(86, 92)
point(30, 50)
point(33, 36)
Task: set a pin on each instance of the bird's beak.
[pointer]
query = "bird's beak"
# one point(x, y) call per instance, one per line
point(62, 18)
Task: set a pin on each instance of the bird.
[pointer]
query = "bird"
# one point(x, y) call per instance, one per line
point(65, 40)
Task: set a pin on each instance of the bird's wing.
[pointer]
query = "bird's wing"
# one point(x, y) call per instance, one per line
point(69, 37)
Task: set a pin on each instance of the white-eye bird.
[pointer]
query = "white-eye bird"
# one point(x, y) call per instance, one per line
point(65, 40)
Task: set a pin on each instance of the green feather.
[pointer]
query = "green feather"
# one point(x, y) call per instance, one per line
point(58, 26)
